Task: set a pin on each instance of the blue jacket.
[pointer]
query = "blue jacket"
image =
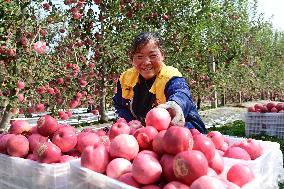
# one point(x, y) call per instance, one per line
point(176, 89)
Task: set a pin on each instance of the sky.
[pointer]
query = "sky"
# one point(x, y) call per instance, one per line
point(273, 9)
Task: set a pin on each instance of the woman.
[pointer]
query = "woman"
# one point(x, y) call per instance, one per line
point(151, 83)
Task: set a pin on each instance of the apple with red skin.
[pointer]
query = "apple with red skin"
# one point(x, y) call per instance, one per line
point(40, 107)
point(3, 142)
point(47, 153)
point(217, 163)
point(237, 153)
point(258, 107)
point(274, 110)
point(127, 178)
point(190, 165)
point(47, 125)
point(157, 143)
point(40, 47)
point(95, 112)
point(270, 105)
point(159, 118)
point(251, 109)
point(35, 139)
point(60, 81)
point(177, 139)
point(95, 158)
point(19, 127)
point(65, 139)
point(217, 138)
point(18, 146)
point(85, 139)
point(166, 162)
point(205, 145)
point(66, 158)
point(240, 174)
point(280, 106)
point(165, 17)
point(176, 185)
point(134, 124)
point(252, 146)
point(20, 85)
point(118, 128)
point(74, 103)
point(264, 109)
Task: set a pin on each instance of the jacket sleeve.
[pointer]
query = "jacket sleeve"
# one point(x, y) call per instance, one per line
point(178, 90)
point(120, 105)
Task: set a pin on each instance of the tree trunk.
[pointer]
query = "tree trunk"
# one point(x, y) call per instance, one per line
point(262, 95)
point(223, 98)
point(212, 67)
point(240, 97)
point(5, 121)
point(198, 102)
point(103, 116)
point(103, 92)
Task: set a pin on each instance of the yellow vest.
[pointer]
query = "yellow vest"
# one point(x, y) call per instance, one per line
point(129, 79)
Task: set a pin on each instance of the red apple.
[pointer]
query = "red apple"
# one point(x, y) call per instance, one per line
point(251, 109)
point(35, 139)
point(47, 153)
point(21, 85)
point(20, 127)
point(118, 128)
point(47, 125)
point(95, 158)
point(18, 146)
point(65, 139)
point(270, 105)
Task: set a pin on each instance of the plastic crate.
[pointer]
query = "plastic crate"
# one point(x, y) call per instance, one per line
point(83, 178)
point(271, 124)
point(27, 174)
point(268, 168)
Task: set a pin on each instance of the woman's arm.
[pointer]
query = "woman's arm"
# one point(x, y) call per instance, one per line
point(178, 90)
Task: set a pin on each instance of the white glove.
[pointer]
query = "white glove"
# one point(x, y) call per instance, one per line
point(175, 111)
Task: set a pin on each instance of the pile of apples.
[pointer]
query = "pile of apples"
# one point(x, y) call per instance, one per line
point(268, 107)
point(170, 157)
point(47, 142)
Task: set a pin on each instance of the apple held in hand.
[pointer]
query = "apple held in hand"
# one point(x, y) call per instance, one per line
point(158, 118)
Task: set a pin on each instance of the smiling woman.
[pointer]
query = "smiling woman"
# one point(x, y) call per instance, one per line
point(151, 83)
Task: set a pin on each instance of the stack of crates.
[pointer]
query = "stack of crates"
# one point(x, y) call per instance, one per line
point(271, 124)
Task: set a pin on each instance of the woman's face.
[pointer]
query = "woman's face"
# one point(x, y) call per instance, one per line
point(148, 60)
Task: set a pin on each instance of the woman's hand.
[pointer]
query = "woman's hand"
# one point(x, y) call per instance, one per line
point(175, 111)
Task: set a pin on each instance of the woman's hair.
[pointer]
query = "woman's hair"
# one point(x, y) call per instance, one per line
point(142, 39)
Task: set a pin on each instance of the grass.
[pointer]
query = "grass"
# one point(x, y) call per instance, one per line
point(237, 128)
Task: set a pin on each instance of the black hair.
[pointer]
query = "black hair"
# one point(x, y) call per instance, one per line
point(142, 39)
